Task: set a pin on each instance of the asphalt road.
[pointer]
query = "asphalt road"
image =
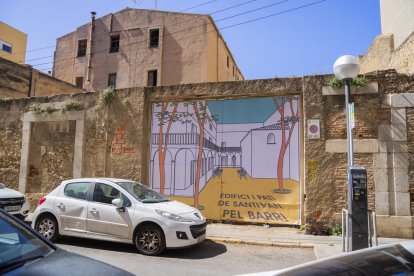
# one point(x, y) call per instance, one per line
point(208, 258)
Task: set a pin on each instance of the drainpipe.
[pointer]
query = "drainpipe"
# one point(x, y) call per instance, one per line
point(90, 53)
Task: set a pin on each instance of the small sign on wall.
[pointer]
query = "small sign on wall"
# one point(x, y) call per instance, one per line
point(314, 130)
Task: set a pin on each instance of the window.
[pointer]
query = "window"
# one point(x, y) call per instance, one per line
point(104, 193)
point(82, 45)
point(154, 37)
point(79, 82)
point(152, 78)
point(228, 62)
point(77, 190)
point(271, 139)
point(7, 47)
point(233, 70)
point(114, 46)
point(112, 80)
point(233, 161)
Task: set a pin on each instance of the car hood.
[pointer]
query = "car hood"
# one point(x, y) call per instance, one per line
point(179, 208)
point(9, 193)
point(62, 262)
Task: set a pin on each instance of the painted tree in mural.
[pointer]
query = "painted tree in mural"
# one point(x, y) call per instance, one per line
point(201, 116)
point(165, 117)
point(285, 120)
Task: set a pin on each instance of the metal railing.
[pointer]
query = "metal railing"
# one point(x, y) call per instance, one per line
point(345, 222)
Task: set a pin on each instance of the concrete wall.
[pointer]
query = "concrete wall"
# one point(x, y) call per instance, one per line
point(19, 81)
point(397, 19)
point(18, 41)
point(114, 141)
point(183, 56)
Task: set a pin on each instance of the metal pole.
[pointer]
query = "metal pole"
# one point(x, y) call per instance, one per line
point(350, 158)
point(369, 229)
point(374, 222)
point(343, 231)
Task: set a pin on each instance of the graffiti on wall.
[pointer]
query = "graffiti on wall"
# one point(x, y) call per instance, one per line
point(232, 159)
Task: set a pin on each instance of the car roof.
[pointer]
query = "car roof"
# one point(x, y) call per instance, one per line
point(95, 179)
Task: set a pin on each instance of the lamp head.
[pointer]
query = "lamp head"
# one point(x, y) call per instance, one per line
point(346, 67)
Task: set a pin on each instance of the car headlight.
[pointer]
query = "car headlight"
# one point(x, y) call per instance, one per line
point(172, 216)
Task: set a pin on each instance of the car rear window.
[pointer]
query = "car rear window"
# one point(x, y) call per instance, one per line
point(77, 190)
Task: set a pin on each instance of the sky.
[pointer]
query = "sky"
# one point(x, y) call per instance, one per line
point(284, 38)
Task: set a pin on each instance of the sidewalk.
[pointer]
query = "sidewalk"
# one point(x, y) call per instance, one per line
point(324, 246)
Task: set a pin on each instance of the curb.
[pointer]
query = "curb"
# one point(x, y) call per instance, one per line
point(262, 243)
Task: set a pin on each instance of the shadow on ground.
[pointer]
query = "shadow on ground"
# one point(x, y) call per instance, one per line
point(205, 250)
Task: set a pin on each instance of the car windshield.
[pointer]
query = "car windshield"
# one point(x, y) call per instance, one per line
point(18, 245)
point(142, 193)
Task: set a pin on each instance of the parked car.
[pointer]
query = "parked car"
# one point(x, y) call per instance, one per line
point(390, 259)
point(118, 210)
point(25, 252)
point(13, 202)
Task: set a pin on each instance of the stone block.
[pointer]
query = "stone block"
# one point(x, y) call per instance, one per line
point(398, 116)
point(384, 133)
point(395, 226)
point(380, 160)
point(397, 147)
point(400, 160)
point(399, 132)
point(399, 100)
point(402, 204)
point(360, 146)
point(382, 203)
point(400, 180)
point(381, 180)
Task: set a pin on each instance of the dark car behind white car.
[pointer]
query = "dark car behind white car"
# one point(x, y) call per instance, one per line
point(25, 252)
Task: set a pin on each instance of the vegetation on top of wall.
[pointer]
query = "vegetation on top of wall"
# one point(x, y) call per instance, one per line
point(107, 95)
point(359, 81)
point(50, 109)
point(36, 108)
point(71, 105)
point(4, 99)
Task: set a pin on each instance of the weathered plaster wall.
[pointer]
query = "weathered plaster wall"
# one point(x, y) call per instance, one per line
point(19, 81)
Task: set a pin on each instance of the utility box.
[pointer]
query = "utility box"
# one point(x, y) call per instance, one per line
point(359, 214)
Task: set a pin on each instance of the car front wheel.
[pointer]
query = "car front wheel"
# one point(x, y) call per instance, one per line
point(47, 226)
point(149, 240)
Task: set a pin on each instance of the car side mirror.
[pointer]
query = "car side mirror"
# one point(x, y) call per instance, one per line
point(117, 202)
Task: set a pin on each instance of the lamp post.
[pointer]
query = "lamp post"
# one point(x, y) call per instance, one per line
point(347, 68)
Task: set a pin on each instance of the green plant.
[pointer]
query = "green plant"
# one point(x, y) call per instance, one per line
point(359, 81)
point(107, 96)
point(337, 230)
point(71, 105)
point(36, 108)
point(50, 109)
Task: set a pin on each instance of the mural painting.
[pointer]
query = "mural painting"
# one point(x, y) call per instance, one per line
point(232, 159)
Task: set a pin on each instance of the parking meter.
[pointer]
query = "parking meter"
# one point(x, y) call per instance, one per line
point(359, 214)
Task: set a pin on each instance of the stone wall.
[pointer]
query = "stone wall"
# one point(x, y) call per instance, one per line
point(19, 81)
point(113, 140)
point(382, 55)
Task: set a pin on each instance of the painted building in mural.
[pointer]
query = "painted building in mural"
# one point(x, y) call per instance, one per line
point(234, 142)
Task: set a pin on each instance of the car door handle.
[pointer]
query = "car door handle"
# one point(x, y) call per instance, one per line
point(93, 211)
point(60, 205)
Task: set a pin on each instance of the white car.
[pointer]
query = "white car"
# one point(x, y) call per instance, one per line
point(118, 210)
point(13, 202)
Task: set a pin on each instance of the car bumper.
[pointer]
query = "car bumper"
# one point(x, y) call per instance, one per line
point(194, 234)
point(23, 212)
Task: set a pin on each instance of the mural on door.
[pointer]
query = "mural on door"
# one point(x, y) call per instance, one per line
point(232, 159)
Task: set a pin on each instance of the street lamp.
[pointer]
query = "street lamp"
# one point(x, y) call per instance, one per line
point(347, 68)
